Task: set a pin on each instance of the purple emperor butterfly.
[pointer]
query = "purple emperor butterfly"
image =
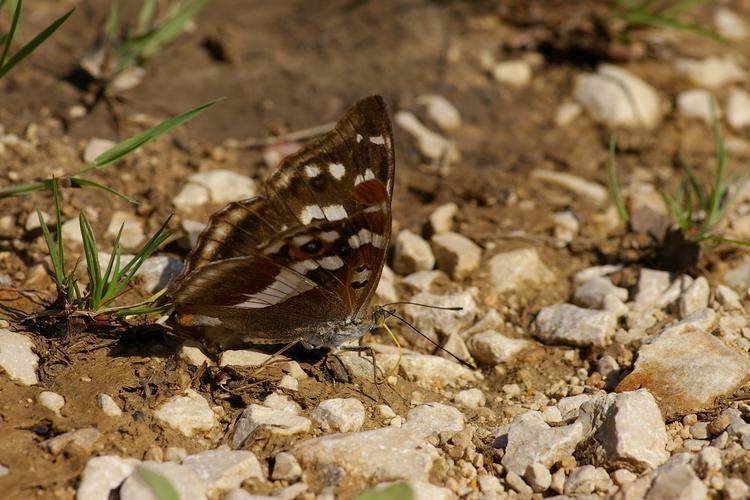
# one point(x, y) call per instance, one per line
point(302, 261)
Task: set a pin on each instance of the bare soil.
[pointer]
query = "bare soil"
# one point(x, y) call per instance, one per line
point(286, 66)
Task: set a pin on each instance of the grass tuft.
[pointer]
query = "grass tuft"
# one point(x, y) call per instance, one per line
point(637, 14)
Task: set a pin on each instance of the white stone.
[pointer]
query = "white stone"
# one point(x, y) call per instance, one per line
point(516, 73)
point(456, 254)
point(566, 113)
point(510, 270)
point(569, 406)
point(192, 230)
point(531, 440)
point(286, 467)
point(651, 286)
point(567, 226)
point(224, 470)
point(593, 292)
point(103, 474)
point(441, 111)
point(678, 481)
point(385, 454)
point(155, 273)
point(712, 72)
point(108, 405)
point(132, 229)
point(607, 365)
point(187, 485)
point(552, 415)
point(225, 186)
point(248, 357)
point(433, 322)
point(738, 109)
point(629, 430)
point(191, 195)
point(191, 352)
point(441, 219)
point(422, 280)
point(516, 482)
point(17, 358)
point(71, 230)
point(52, 401)
point(571, 325)
point(412, 253)
point(698, 103)
point(730, 25)
point(735, 489)
point(96, 147)
point(187, 413)
point(618, 98)
point(588, 273)
point(585, 480)
point(538, 477)
point(289, 383)
point(491, 347)
point(32, 220)
point(695, 297)
point(470, 398)
point(578, 185)
point(342, 415)
point(728, 298)
point(280, 422)
point(686, 369)
point(488, 483)
point(431, 144)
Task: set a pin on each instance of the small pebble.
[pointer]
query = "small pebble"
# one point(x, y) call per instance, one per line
point(52, 401)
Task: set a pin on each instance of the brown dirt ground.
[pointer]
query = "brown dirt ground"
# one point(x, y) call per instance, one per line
point(288, 66)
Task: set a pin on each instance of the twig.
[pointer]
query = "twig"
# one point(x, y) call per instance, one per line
point(256, 142)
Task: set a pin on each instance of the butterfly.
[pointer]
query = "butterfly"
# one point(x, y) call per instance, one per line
point(302, 261)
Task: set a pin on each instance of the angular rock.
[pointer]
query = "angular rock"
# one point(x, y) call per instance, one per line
point(531, 440)
point(191, 352)
point(286, 467)
point(593, 292)
point(584, 275)
point(224, 470)
point(628, 430)
point(17, 357)
point(225, 186)
point(83, 438)
point(435, 323)
point(491, 347)
point(413, 253)
point(441, 111)
point(510, 270)
point(432, 145)
point(567, 226)
point(52, 401)
point(695, 297)
point(618, 98)
point(738, 109)
point(108, 405)
point(538, 477)
point(677, 482)
point(571, 325)
point(686, 369)
point(103, 474)
point(698, 103)
point(585, 480)
point(728, 298)
point(132, 229)
point(712, 72)
point(516, 73)
point(578, 185)
point(96, 147)
point(187, 413)
point(570, 405)
point(282, 422)
point(456, 254)
point(470, 398)
point(342, 415)
point(730, 25)
point(441, 219)
point(187, 485)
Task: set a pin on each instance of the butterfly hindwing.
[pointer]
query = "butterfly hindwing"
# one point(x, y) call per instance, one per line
point(314, 245)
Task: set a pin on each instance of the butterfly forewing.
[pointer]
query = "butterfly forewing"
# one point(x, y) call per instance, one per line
point(314, 245)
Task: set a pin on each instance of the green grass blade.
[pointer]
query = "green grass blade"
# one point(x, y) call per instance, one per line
point(172, 27)
point(145, 16)
point(395, 491)
point(11, 32)
point(129, 145)
point(91, 253)
point(115, 256)
point(57, 264)
point(660, 21)
point(680, 7)
point(58, 223)
point(160, 486)
point(683, 220)
point(81, 182)
point(113, 21)
point(22, 189)
point(613, 184)
point(33, 44)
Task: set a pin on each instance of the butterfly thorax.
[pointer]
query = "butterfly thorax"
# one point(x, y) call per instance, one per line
point(333, 335)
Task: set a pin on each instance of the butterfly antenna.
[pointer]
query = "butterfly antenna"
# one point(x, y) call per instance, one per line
point(403, 320)
point(429, 306)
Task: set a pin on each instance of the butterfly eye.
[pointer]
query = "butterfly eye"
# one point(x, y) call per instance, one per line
point(312, 246)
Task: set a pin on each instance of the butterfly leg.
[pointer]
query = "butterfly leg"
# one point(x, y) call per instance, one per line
point(273, 357)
